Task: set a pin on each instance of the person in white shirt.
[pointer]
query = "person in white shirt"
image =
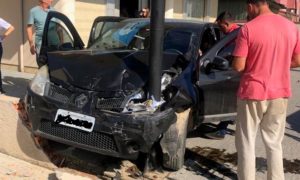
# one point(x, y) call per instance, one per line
point(5, 30)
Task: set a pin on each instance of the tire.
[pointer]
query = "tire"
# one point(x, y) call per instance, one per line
point(173, 142)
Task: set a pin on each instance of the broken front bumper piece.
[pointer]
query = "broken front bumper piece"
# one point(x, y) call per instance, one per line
point(114, 134)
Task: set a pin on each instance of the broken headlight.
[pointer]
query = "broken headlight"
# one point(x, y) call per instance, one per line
point(165, 81)
point(139, 103)
point(135, 104)
point(38, 83)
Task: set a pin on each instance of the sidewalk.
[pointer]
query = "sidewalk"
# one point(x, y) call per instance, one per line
point(13, 168)
point(15, 84)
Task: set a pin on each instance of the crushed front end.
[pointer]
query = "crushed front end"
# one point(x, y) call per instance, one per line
point(111, 123)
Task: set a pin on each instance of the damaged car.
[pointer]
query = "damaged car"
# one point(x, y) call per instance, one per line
point(96, 97)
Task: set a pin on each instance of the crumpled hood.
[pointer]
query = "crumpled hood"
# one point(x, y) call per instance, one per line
point(105, 71)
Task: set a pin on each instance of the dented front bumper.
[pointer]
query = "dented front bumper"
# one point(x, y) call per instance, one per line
point(114, 134)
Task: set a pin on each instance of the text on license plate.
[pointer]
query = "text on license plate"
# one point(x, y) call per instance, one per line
point(75, 120)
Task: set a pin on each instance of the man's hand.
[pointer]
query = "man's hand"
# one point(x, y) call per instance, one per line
point(32, 49)
point(295, 61)
point(30, 39)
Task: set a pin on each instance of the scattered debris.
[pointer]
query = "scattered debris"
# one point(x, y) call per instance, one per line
point(20, 108)
point(212, 163)
point(291, 166)
point(217, 155)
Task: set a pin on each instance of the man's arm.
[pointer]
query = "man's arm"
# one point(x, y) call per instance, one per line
point(240, 52)
point(8, 32)
point(295, 61)
point(239, 64)
point(30, 38)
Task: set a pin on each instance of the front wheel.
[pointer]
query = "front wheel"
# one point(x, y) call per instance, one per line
point(173, 142)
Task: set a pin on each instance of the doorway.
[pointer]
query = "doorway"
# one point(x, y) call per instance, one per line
point(129, 8)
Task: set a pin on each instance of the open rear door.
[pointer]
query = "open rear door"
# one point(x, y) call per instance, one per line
point(102, 25)
point(59, 35)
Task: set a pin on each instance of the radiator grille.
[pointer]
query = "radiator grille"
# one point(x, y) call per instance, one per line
point(112, 104)
point(66, 97)
point(97, 140)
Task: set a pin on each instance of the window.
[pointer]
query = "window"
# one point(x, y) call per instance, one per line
point(59, 38)
point(119, 35)
point(236, 7)
point(194, 9)
point(178, 40)
point(227, 50)
point(209, 39)
point(136, 35)
point(102, 28)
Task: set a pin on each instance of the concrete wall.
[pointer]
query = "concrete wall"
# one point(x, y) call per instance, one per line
point(169, 9)
point(211, 10)
point(178, 12)
point(178, 9)
point(86, 12)
point(12, 44)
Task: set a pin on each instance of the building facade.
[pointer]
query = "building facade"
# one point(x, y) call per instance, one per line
point(82, 13)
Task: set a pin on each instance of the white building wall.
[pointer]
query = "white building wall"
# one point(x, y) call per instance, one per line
point(169, 9)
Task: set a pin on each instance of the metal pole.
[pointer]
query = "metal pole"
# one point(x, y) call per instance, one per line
point(156, 47)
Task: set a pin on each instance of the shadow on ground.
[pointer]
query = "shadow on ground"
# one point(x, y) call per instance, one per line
point(211, 163)
point(15, 87)
point(217, 163)
point(293, 121)
point(207, 128)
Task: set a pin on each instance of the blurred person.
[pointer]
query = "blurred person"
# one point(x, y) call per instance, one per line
point(6, 29)
point(145, 13)
point(266, 48)
point(36, 22)
point(225, 22)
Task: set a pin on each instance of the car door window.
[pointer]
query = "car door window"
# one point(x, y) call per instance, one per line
point(208, 40)
point(98, 28)
point(178, 40)
point(227, 50)
point(59, 37)
point(101, 26)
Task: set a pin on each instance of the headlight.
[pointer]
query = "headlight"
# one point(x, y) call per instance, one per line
point(165, 81)
point(138, 103)
point(134, 104)
point(38, 83)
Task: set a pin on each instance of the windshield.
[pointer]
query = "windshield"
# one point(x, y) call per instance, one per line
point(119, 35)
point(136, 35)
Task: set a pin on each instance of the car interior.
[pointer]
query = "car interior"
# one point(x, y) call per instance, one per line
point(209, 38)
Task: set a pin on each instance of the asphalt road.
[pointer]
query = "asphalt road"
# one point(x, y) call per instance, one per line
point(205, 158)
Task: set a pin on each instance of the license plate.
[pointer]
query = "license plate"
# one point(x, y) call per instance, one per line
point(75, 120)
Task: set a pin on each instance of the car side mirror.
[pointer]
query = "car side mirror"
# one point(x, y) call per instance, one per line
point(220, 63)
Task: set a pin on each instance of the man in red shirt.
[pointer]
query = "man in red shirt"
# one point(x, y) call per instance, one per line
point(266, 48)
point(224, 21)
